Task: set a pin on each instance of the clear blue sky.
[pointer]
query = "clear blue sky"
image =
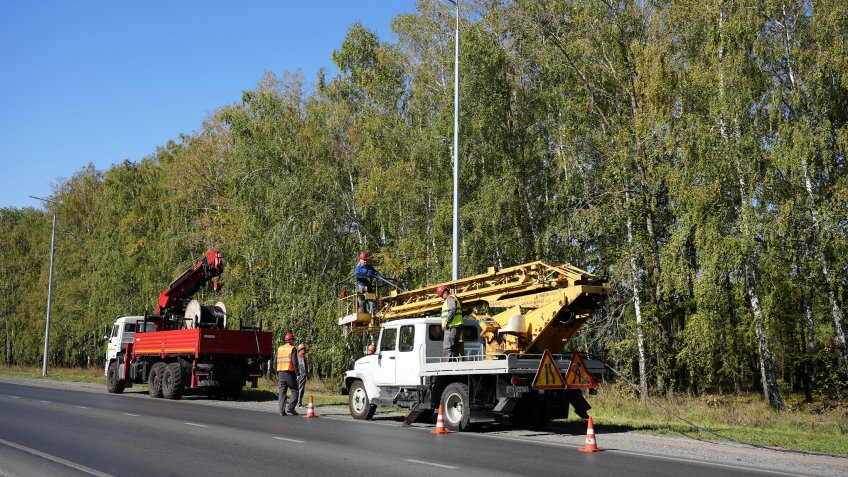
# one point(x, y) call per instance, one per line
point(105, 81)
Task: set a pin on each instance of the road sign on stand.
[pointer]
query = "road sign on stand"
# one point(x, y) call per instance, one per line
point(548, 377)
point(577, 376)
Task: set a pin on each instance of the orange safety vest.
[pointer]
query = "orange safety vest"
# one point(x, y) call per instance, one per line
point(284, 355)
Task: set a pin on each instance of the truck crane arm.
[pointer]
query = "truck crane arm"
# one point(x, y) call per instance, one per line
point(174, 299)
point(542, 305)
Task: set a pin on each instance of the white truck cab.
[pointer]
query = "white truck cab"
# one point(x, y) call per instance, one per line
point(121, 334)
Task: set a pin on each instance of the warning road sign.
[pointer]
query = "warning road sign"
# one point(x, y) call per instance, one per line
point(577, 376)
point(548, 377)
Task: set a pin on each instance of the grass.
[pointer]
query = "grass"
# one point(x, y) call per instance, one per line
point(820, 426)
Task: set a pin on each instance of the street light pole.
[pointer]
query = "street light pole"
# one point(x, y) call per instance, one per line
point(49, 288)
point(456, 150)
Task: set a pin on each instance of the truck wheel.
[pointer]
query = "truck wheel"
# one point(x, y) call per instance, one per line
point(154, 381)
point(456, 407)
point(172, 383)
point(358, 402)
point(114, 383)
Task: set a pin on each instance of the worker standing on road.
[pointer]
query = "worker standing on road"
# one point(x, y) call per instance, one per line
point(301, 373)
point(363, 273)
point(451, 323)
point(287, 370)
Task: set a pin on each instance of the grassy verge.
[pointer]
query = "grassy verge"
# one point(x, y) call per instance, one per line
point(821, 426)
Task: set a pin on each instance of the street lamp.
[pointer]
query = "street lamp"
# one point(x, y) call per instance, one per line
point(456, 149)
point(49, 287)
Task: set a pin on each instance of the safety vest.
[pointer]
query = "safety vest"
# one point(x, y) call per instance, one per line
point(457, 318)
point(284, 355)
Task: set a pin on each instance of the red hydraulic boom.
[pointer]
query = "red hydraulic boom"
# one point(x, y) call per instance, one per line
point(174, 299)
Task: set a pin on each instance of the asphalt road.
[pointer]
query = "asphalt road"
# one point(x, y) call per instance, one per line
point(53, 432)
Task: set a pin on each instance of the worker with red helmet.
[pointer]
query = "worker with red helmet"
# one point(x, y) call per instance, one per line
point(287, 371)
point(363, 274)
point(451, 323)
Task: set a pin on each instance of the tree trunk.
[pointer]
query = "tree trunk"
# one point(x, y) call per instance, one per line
point(637, 305)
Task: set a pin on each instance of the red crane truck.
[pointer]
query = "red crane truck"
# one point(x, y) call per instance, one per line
point(186, 344)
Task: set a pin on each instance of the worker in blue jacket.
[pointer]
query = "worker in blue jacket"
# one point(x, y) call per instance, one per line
point(363, 273)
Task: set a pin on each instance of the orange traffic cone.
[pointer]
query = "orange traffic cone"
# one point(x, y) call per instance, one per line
point(440, 424)
point(590, 439)
point(310, 409)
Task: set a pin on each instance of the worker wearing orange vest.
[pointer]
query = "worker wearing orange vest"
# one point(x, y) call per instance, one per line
point(287, 371)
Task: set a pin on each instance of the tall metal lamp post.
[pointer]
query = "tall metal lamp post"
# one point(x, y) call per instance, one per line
point(456, 150)
point(49, 287)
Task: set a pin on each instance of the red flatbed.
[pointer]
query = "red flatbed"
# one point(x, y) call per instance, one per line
point(199, 342)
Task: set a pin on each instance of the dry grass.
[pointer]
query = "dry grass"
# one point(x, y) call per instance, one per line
point(821, 426)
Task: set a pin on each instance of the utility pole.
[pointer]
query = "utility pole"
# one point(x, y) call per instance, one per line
point(455, 274)
point(49, 288)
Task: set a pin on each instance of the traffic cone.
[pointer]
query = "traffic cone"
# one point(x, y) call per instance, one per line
point(310, 409)
point(590, 439)
point(440, 424)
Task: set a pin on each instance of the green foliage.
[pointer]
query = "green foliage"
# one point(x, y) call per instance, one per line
point(717, 131)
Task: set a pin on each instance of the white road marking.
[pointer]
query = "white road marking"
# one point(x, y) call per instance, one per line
point(431, 463)
point(288, 440)
point(83, 407)
point(58, 460)
point(45, 402)
point(15, 397)
point(129, 414)
point(193, 424)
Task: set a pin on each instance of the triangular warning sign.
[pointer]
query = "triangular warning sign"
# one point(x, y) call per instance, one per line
point(548, 377)
point(577, 376)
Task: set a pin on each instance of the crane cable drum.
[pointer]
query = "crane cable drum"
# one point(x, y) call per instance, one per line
point(205, 316)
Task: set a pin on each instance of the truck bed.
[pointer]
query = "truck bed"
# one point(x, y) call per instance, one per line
point(512, 364)
point(200, 341)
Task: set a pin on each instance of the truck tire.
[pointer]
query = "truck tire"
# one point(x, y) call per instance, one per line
point(172, 382)
point(154, 380)
point(358, 402)
point(114, 383)
point(456, 407)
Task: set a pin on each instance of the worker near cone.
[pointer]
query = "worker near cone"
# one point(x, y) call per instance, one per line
point(301, 373)
point(451, 322)
point(363, 273)
point(287, 371)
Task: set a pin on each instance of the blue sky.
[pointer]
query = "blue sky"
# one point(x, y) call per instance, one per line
point(101, 82)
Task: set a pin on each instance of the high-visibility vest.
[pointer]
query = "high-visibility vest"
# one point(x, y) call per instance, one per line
point(457, 318)
point(284, 355)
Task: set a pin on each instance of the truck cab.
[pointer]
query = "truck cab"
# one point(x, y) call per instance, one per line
point(120, 335)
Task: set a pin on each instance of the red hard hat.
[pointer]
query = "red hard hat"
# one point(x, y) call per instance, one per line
point(289, 337)
point(441, 289)
point(363, 256)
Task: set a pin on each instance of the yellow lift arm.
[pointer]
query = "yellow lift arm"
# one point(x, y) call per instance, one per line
point(542, 305)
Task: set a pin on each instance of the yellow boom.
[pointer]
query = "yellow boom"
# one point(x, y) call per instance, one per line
point(522, 309)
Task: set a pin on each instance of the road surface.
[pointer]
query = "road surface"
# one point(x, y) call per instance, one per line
point(46, 431)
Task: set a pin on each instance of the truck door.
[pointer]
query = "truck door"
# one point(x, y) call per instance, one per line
point(386, 357)
point(408, 357)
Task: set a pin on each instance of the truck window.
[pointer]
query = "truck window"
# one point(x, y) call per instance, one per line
point(469, 333)
point(435, 332)
point(388, 339)
point(407, 337)
point(114, 331)
point(129, 327)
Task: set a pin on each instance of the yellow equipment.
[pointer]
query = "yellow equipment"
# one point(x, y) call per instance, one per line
point(522, 309)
